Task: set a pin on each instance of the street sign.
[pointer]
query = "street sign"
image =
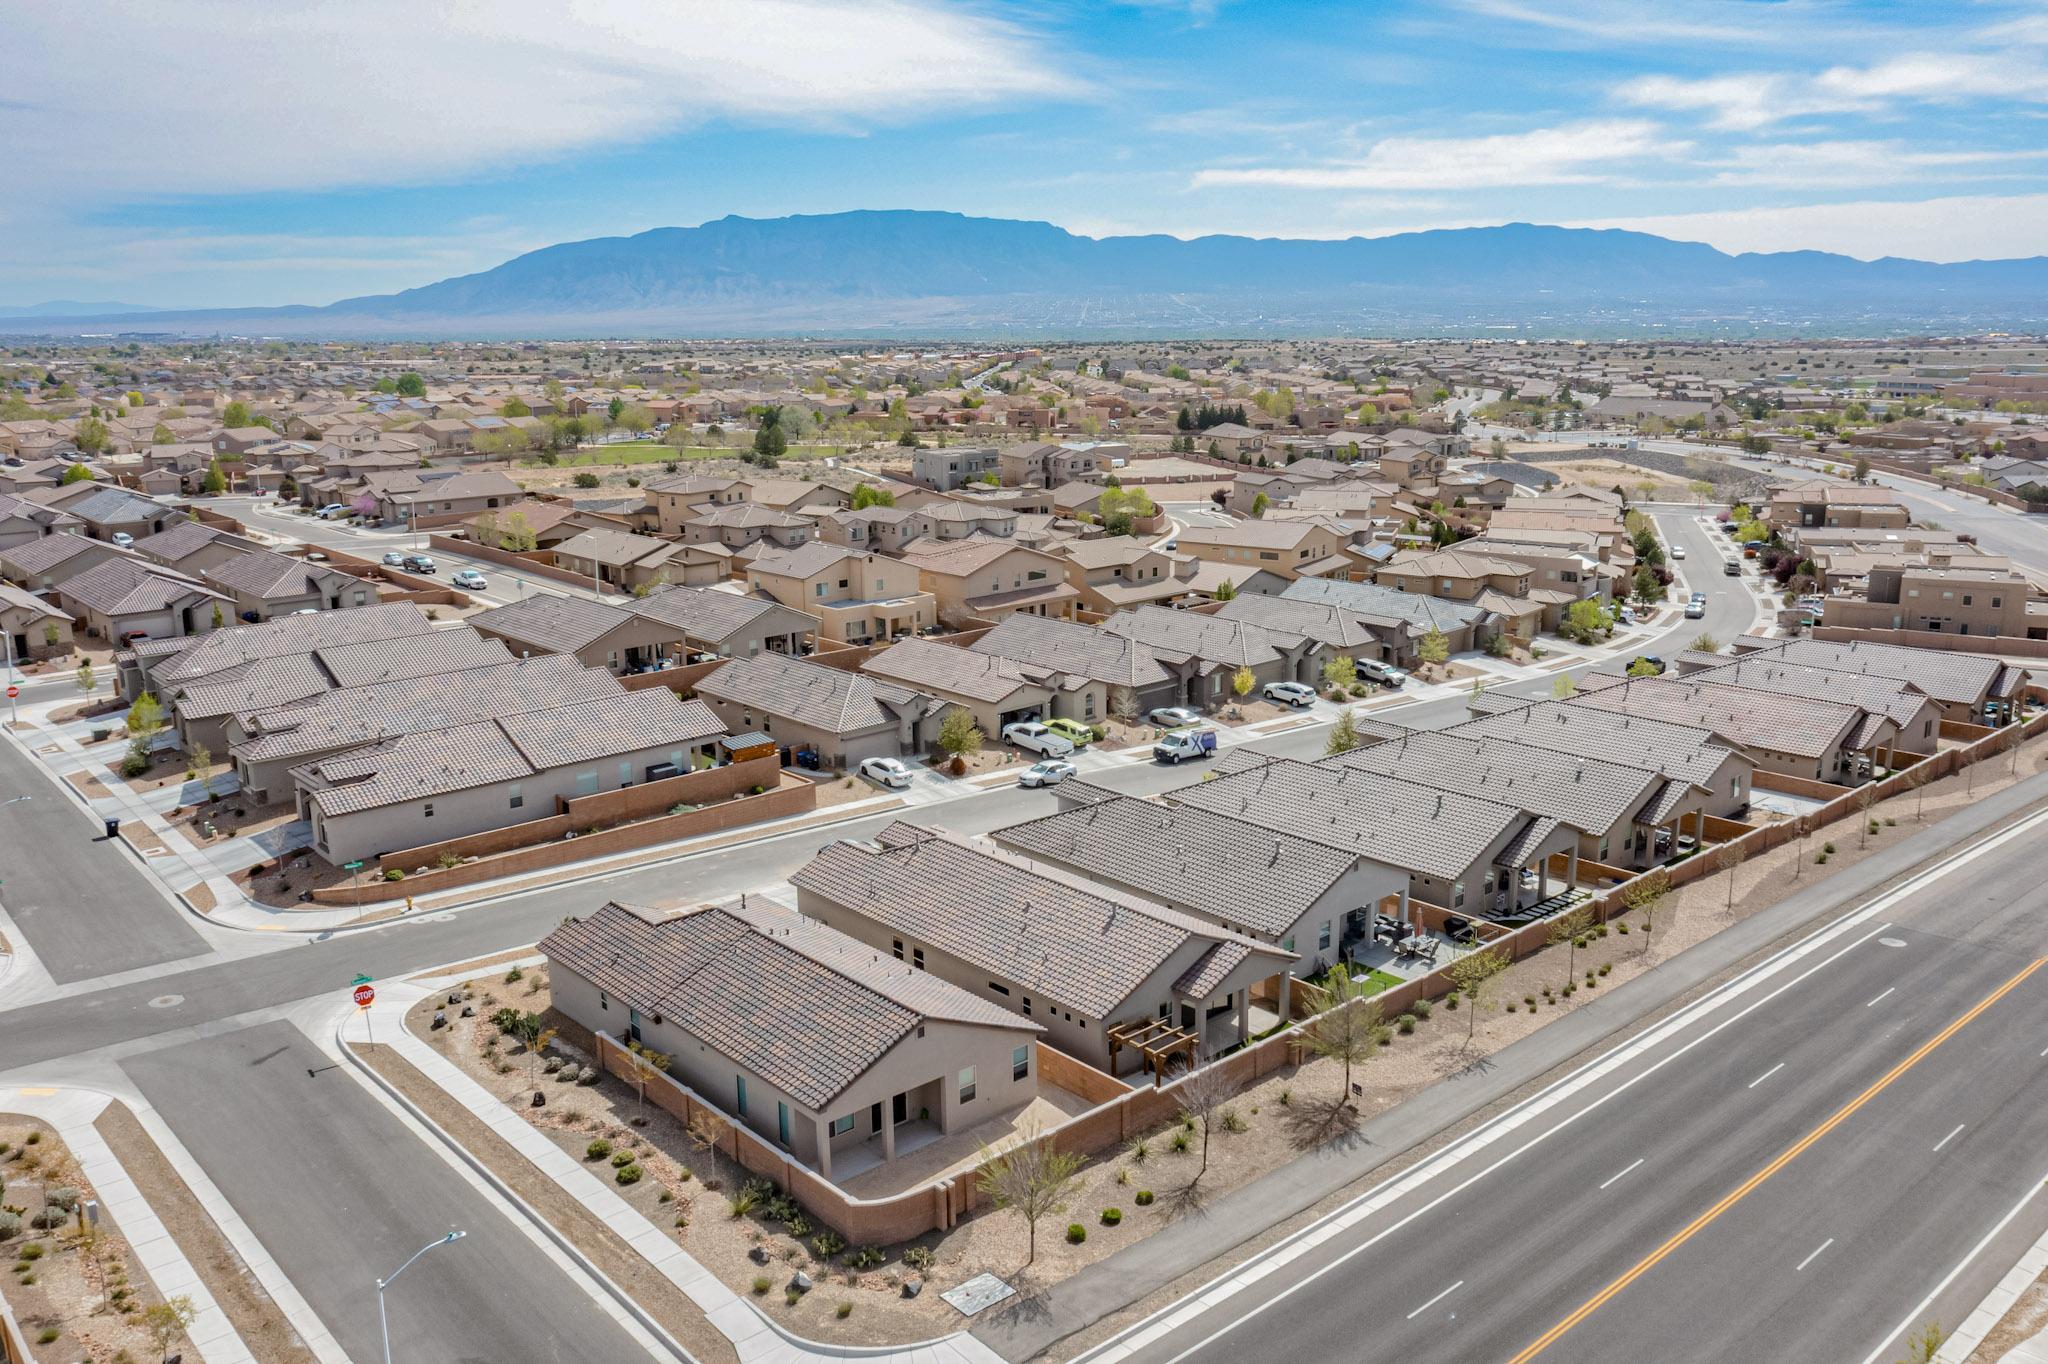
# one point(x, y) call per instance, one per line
point(365, 995)
point(13, 692)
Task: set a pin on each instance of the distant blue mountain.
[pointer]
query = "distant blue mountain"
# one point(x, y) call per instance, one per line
point(69, 307)
point(914, 272)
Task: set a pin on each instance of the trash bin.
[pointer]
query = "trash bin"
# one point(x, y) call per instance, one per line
point(113, 828)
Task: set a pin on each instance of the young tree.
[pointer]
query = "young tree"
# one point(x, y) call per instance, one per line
point(518, 535)
point(1701, 489)
point(1433, 648)
point(166, 1321)
point(1648, 586)
point(1202, 1095)
point(1570, 930)
point(1733, 854)
point(162, 434)
point(770, 441)
point(648, 1065)
point(1344, 734)
point(1562, 688)
point(1704, 643)
point(1242, 681)
point(216, 481)
point(1035, 1178)
point(1645, 489)
point(76, 473)
point(235, 415)
point(1642, 667)
point(1226, 590)
point(1645, 893)
point(411, 385)
point(91, 435)
point(1473, 974)
point(1349, 1031)
point(197, 759)
point(86, 680)
point(514, 406)
point(869, 495)
point(1123, 704)
point(1259, 505)
point(484, 529)
point(959, 735)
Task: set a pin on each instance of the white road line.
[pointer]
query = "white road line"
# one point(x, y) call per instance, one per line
point(2044, 1051)
point(1880, 997)
point(1614, 1178)
point(1437, 1299)
point(1816, 1254)
point(1765, 1076)
point(1950, 1137)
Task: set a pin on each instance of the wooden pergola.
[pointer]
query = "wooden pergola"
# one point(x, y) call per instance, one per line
point(1158, 1039)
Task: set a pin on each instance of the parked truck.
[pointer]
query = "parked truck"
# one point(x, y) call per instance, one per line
point(1185, 743)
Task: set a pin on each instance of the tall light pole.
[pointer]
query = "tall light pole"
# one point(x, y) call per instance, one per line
point(384, 1322)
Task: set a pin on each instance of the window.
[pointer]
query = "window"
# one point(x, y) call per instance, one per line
point(967, 1085)
point(586, 782)
point(1735, 786)
point(821, 589)
point(604, 1001)
point(427, 810)
point(1003, 990)
point(1027, 1006)
point(1323, 938)
point(917, 957)
point(740, 1095)
point(1457, 894)
point(1287, 946)
point(782, 1122)
point(1020, 1063)
point(896, 946)
point(625, 772)
point(517, 795)
point(841, 1126)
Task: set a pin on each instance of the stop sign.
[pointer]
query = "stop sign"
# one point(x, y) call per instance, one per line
point(364, 995)
point(13, 692)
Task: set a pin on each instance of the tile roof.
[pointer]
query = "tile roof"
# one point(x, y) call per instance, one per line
point(808, 559)
point(1188, 857)
point(713, 618)
point(1590, 794)
point(1080, 947)
point(1804, 726)
point(1691, 752)
point(264, 574)
point(1371, 599)
point(558, 624)
point(286, 635)
point(807, 1009)
point(1185, 636)
point(40, 558)
point(1327, 624)
point(1259, 534)
point(1083, 651)
point(809, 694)
point(20, 598)
point(1947, 677)
point(122, 587)
point(287, 678)
point(928, 665)
point(176, 542)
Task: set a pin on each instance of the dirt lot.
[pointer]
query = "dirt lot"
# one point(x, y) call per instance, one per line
point(74, 1298)
point(1607, 474)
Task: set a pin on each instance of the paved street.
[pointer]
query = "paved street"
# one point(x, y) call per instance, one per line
point(1816, 1260)
point(341, 1193)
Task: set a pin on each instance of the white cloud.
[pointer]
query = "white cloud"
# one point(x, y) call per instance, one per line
point(1961, 227)
point(1853, 164)
point(1577, 153)
point(231, 96)
point(1747, 101)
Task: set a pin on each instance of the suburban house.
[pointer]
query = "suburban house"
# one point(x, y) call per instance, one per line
point(995, 691)
point(1464, 625)
point(1096, 968)
point(626, 562)
point(1821, 503)
point(707, 623)
point(1499, 586)
point(843, 717)
point(1091, 670)
point(1203, 653)
point(437, 497)
point(161, 663)
point(261, 584)
point(192, 547)
point(990, 579)
point(1959, 595)
point(599, 634)
point(950, 467)
point(1812, 737)
point(41, 564)
point(843, 1057)
point(22, 521)
point(1305, 548)
point(1116, 571)
point(444, 784)
point(128, 598)
point(1333, 630)
point(105, 511)
point(857, 597)
point(889, 530)
point(33, 628)
point(681, 498)
point(1969, 688)
point(739, 526)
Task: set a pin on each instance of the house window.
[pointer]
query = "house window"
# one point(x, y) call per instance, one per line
point(1020, 1063)
point(1027, 1006)
point(1457, 894)
point(517, 796)
point(782, 1122)
point(1287, 946)
point(427, 810)
point(841, 1126)
point(586, 782)
point(1323, 938)
point(967, 1085)
point(917, 957)
point(625, 772)
point(1003, 990)
point(604, 1000)
point(896, 945)
point(1735, 786)
point(740, 1095)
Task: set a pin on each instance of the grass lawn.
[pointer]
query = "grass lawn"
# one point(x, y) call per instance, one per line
point(1377, 980)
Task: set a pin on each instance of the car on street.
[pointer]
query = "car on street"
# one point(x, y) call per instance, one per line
point(1678, 551)
point(418, 563)
point(1289, 693)
point(1183, 744)
point(1386, 674)
point(1695, 610)
point(1034, 737)
point(1174, 717)
point(394, 558)
point(1051, 772)
point(1732, 567)
point(332, 510)
point(471, 579)
point(893, 773)
point(1073, 731)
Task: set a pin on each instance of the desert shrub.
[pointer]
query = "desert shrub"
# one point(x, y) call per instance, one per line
point(1076, 1233)
point(827, 1244)
point(62, 1197)
point(843, 1311)
point(920, 1258)
point(10, 1225)
point(867, 1257)
point(1144, 1198)
point(762, 1284)
point(622, 1160)
point(598, 1149)
point(1112, 1216)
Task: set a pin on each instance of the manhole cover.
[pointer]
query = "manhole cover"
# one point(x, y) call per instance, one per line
point(166, 1001)
point(1891, 942)
point(981, 1291)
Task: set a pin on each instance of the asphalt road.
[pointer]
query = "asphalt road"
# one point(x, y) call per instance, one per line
point(82, 902)
point(1811, 1259)
point(340, 1192)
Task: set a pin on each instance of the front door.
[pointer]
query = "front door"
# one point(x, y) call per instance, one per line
point(632, 1025)
point(899, 1108)
point(874, 1118)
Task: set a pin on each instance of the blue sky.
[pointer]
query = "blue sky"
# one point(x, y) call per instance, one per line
point(240, 152)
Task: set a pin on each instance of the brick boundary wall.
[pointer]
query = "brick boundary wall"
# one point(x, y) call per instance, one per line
point(2015, 645)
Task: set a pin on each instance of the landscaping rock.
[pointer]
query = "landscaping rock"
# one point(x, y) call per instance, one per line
point(800, 1281)
point(912, 1287)
point(759, 1255)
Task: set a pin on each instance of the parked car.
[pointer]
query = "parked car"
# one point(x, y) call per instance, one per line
point(1732, 567)
point(1174, 717)
point(394, 558)
point(1073, 731)
point(1695, 610)
point(1386, 674)
point(1051, 772)
point(1183, 744)
point(332, 510)
point(418, 563)
point(122, 539)
point(890, 772)
point(471, 579)
point(1678, 551)
point(1036, 738)
point(1289, 693)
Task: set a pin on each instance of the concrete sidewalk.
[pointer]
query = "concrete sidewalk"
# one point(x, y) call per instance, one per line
point(1133, 1274)
point(756, 1338)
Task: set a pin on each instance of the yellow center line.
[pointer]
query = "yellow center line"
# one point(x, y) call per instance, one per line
point(1786, 1157)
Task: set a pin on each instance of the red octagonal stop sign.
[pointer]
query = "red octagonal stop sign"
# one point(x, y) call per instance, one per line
point(364, 995)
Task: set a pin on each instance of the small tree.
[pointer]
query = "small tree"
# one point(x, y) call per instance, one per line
point(219, 618)
point(77, 473)
point(1645, 893)
point(197, 759)
point(1570, 930)
point(1123, 704)
point(869, 495)
point(1474, 974)
point(1349, 1031)
point(1340, 673)
point(1259, 505)
point(1701, 489)
point(648, 1065)
point(1642, 667)
point(1704, 643)
point(86, 680)
point(1035, 1178)
point(166, 1321)
point(216, 481)
point(1433, 648)
point(51, 634)
point(145, 717)
point(518, 535)
point(1202, 1095)
point(1733, 854)
point(1562, 688)
point(1226, 591)
point(959, 735)
point(1344, 734)
point(1242, 682)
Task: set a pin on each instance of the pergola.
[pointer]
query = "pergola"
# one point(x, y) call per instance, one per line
point(1159, 1039)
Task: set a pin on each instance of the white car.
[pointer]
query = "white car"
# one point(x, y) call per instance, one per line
point(1036, 738)
point(890, 772)
point(471, 579)
point(1695, 610)
point(1386, 674)
point(1678, 551)
point(1174, 717)
point(1289, 693)
point(394, 558)
point(1051, 772)
point(331, 510)
point(122, 539)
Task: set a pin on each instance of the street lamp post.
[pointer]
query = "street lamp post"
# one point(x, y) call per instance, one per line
point(383, 1321)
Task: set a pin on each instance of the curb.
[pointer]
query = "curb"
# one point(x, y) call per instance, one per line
point(504, 1191)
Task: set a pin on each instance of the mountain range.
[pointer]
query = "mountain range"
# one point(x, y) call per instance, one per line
point(919, 273)
point(71, 307)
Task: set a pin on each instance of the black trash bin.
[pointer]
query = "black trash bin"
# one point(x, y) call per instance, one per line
point(113, 828)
